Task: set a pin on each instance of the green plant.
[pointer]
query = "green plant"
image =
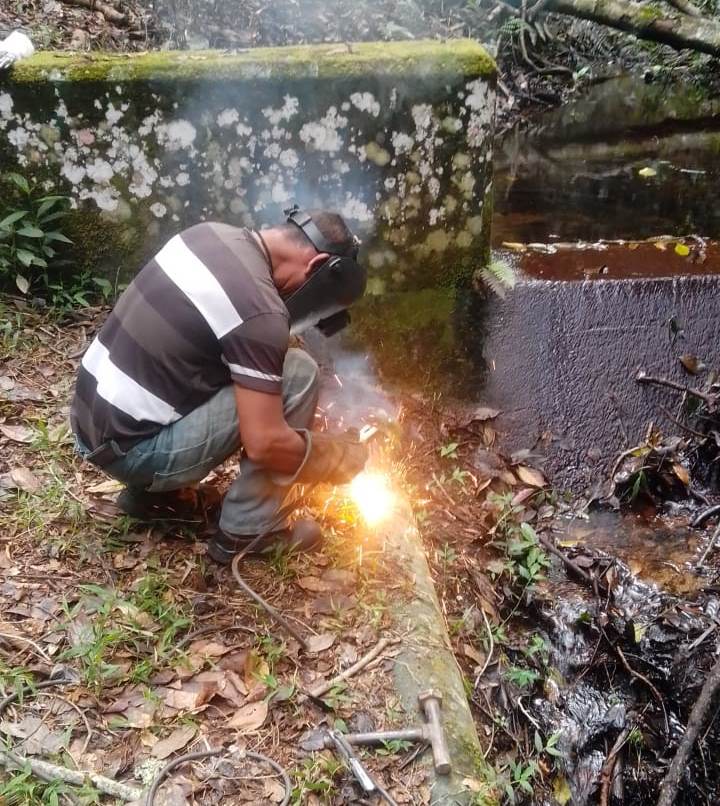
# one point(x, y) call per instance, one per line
point(449, 450)
point(315, 776)
point(22, 788)
point(499, 276)
point(521, 676)
point(521, 774)
point(30, 241)
point(549, 746)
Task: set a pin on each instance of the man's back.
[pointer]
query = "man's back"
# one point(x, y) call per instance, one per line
point(204, 311)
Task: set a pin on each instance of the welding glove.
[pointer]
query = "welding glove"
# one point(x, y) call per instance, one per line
point(14, 47)
point(334, 460)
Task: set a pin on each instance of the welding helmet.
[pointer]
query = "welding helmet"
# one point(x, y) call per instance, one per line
point(334, 285)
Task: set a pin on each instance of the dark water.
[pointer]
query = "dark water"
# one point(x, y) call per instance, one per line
point(629, 161)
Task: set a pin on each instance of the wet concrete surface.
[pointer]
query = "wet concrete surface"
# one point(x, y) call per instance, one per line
point(561, 361)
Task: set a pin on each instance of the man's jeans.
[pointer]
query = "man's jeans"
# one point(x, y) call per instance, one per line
point(184, 452)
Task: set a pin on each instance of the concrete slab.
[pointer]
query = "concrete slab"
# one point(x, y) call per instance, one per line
point(561, 360)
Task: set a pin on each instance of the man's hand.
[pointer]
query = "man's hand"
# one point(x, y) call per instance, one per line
point(14, 47)
point(334, 460)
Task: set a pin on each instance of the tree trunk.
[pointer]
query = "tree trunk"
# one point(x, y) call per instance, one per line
point(678, 30)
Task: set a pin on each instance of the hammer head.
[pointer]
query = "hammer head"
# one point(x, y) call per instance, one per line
point(430, 701)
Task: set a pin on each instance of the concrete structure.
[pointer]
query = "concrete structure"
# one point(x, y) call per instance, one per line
point(560, 360)
point(397, 136)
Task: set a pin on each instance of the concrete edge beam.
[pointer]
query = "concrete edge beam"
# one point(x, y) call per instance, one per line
point(427, 661)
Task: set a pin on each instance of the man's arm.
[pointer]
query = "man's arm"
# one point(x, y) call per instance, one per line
point(264, 433)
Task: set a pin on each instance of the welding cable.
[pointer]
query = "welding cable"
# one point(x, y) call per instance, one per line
point(200, 754)
point(283, 512)
point(704, 516)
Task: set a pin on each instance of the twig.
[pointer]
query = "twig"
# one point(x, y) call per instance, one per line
point(53, 772)
point(709, 400)
point(710, 546)
point(574, 567)
point(645, 680)
point(608, 768)
point(671, 782)
point(323, 688)
point(490, 651)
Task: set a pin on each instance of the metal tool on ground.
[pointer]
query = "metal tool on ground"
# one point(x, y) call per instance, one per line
point(341, 745)
point(431, 732)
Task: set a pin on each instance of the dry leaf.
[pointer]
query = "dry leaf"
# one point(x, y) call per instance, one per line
point(106, 487)
point(174, 742)
point(470, 652)
point(6, 383)
point(529, 475)
point(692, 363)
point(25, 479)
point(38, 738)
point(682, 473)
point(18, 433)
point(234, 662)
point(249, 717)
point(193, 693)
point(319, 643)
point(313, 584)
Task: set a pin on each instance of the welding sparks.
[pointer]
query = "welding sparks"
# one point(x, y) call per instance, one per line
point(373, 496)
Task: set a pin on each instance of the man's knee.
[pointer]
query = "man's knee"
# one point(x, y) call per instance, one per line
point(301, 377)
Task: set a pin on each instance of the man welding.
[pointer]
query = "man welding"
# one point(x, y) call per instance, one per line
point(193, 363)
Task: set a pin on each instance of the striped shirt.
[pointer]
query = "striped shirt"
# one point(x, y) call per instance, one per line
point(202, 313)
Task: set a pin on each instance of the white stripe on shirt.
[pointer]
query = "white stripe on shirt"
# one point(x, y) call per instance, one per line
point(119, 389)
point(237, 369)
point(199, 284)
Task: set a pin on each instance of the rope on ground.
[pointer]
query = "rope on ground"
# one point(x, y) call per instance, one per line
point(201, 754)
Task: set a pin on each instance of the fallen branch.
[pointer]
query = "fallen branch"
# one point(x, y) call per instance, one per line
point(686, 7)
point(709, 400)
point(671, 782)
point(111, 14)
point(679, 30)
point(574, 567)
point(608, 768)
point(641, 677)
point(53, 772)
point(323, 688)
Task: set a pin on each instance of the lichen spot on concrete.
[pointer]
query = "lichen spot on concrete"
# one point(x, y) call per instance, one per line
point(6, 105)
point(365, 102)
point(323, 135)
point(402, 143)
point(377, 154)
point(227, 117)
point(176, 135)
point(289, 108)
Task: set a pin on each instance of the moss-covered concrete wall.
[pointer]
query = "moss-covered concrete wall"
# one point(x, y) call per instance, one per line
point(396, 136)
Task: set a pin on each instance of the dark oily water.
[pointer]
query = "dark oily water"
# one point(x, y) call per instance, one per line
point(629, 161)
point(659, 551)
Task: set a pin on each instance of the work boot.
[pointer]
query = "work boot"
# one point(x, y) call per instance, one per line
point(182, 504)
point(304, 535)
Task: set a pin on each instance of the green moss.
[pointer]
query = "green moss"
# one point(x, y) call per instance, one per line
point(103, 247)
point(647, 14)
point(424, 57)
